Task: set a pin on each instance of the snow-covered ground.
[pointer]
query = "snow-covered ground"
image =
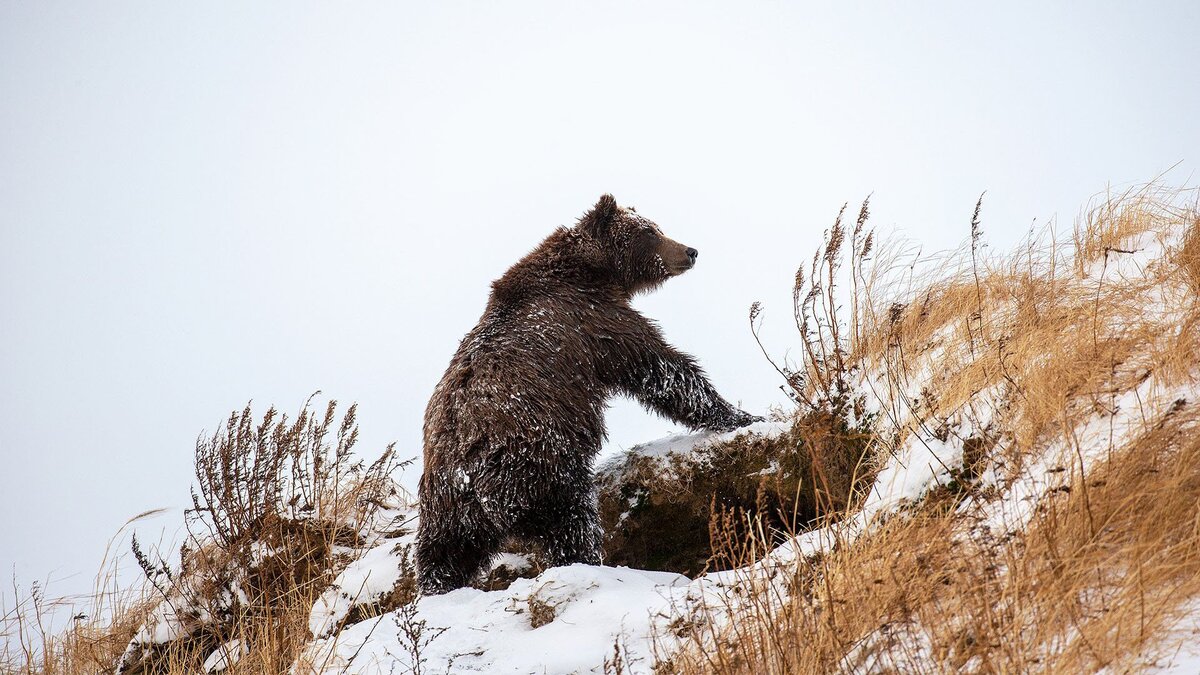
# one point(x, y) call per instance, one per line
point(575, 619)
point(566, 620)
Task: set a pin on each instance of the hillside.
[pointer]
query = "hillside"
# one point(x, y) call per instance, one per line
point(992, 465)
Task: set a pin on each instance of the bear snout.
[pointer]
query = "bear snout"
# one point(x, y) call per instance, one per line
point(677, 257)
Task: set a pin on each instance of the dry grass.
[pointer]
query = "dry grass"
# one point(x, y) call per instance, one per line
point(1071, 362)
point(278, 511)
point(100, 627)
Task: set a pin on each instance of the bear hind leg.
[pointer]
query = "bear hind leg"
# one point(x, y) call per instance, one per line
point(452, 550)
point(567, 528)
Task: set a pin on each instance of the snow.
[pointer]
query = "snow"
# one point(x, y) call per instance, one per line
point(1059, 462)
point(1136, 254)
point(571, 619)
point(592, 608)
point(922, 463)
point(588, 610)
point(513, 561)
point(1178, 651)
point(365, 580)
point(598, 609)
point(225, 656)
point(681, 444)
point(163, 625)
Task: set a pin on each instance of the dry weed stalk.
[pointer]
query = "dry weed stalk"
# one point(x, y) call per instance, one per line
point(279, 510)
point(98, 628)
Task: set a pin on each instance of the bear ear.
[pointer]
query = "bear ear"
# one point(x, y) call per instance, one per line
point(597, 220)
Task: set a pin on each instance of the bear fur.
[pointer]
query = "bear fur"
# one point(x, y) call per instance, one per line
point(514, 424)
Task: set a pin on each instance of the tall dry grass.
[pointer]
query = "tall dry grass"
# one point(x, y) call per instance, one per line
point(280, 506)
point(98, 629)
point(1067, 538)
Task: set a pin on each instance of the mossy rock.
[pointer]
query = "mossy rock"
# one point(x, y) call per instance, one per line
point(670, 512)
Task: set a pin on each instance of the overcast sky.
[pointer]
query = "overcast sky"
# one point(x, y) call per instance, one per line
point(207, 203)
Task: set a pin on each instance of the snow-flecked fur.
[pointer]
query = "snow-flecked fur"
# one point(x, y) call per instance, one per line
point(514, 425)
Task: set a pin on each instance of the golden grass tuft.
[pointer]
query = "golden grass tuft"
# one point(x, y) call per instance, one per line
point(92, 642)
point(1072, 363)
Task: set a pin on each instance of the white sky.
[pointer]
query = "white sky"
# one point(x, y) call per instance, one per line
point(207, 203)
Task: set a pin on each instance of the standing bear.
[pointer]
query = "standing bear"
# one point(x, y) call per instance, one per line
point(514, 424)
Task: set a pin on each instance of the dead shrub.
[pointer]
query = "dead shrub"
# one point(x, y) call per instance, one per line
point(278, 511)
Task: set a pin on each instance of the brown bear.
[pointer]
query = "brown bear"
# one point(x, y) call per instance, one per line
point(514, 424)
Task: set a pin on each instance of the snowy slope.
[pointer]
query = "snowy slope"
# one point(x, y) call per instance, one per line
point(566, 620)
point(588, 619)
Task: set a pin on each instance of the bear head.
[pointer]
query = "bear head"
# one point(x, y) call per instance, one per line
point(635, 248)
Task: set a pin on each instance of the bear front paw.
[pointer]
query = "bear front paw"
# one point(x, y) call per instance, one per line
point(736, 420)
